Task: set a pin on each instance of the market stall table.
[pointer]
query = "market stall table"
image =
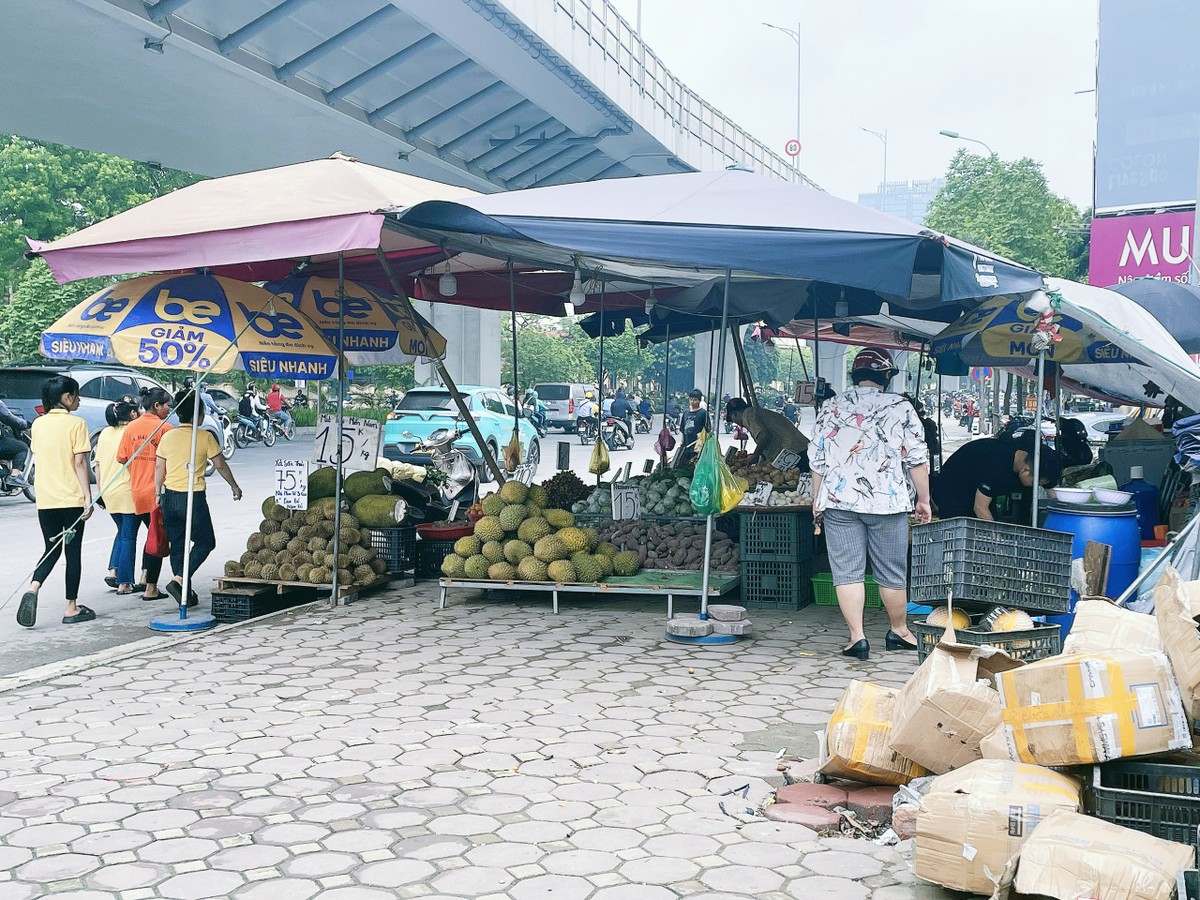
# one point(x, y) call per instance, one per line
point(646, 582)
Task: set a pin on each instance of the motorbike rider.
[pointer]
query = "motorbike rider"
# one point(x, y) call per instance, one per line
point(11, 448)
point(210, 405)
point(645, 410)
point(585, 411)
point(536, 409)
point(622, 411)
point(252, 409)
point(278, 406)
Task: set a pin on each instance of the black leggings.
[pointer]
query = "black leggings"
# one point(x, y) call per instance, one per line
point(53, 521)
point(152, 564)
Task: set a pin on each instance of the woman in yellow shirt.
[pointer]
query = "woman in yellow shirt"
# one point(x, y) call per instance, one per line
point(117, 497)
point(171, 480)
point(61, 447)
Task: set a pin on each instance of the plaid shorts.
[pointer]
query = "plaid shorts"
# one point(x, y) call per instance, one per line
point(850, 535)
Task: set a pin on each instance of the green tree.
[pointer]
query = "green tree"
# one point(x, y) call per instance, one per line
point(543, 354)
point(48, 190)
point(1008, 208)
point(625, 362)
point(37, 301)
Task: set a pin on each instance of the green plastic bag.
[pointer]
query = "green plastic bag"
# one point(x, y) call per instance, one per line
point(715, 489)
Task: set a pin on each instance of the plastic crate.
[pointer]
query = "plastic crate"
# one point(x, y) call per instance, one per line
point(776, 585)
point(991, 562)
point(430, 555)
point(395, 546)
point(1189, 884)
point(1162, 799)
point(1038, 642)
point(783, 536)
point(237, 604)
point(822, 585)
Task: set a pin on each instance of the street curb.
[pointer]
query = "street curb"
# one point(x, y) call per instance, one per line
point(50, 671)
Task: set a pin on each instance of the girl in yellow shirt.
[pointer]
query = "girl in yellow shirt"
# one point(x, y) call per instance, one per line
point(113, 481)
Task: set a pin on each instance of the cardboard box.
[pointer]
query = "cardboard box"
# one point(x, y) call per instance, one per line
point(1100, 625)
point(975, 819)
point(949, 705)
point(856, 743)
point(1092, 708)
point(1072, 856)
point(1173, 612)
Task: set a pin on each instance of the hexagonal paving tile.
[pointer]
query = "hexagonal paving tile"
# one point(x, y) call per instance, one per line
point(395, 873)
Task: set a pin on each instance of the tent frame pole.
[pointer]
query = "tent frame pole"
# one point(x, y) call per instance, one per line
point(1037, 436)
point(600, 382)
point(708, 522)
point(334, 599)
point(739, 353)
point(488, 458)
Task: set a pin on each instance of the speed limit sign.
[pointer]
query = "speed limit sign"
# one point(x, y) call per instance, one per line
point(792, 147)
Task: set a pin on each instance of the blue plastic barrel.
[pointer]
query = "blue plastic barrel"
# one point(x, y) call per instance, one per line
point(1116, 526)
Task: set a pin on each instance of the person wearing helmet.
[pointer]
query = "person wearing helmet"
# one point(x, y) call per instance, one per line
point(278, 406)
point(585, 409)
point(868, 445)
point(772, 432)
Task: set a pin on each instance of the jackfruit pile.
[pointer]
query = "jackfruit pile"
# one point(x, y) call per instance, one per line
point(521, 538)
point(297, 546)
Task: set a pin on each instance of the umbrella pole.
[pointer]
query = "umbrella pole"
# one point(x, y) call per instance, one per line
point(600, 380)
point(743, 364)
point(512, 300)
point(334, 600)
point(816, 359)
point(708, 524)
point(489, 458)
point(1037, 435)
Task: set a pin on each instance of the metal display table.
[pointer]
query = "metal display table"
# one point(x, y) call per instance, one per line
point(651, 582)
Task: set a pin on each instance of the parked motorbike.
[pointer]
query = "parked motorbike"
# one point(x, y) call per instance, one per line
point(615, 435)
point(229, 447)
point(8, 489)
point(641, 424)
point(246, 432)
point(453, 478)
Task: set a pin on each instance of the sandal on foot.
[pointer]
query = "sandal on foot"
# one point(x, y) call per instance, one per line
point(27, 610)
point(84, 615)
point(138, 588)
point(175, 589)
point(157, 596)
point(111, 581)
point(121, 593)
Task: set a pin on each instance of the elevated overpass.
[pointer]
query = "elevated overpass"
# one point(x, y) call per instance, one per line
point(486, 94)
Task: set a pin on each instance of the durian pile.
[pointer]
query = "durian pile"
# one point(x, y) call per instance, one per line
point(297, 546)
point(520, 538)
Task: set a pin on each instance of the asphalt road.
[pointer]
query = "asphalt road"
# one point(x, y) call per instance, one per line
point(122, 620)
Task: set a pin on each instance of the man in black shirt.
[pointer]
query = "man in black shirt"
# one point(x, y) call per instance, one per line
point(693, 421)
point(982, 470)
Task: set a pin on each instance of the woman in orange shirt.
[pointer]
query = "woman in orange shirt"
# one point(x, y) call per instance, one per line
point(139, 448)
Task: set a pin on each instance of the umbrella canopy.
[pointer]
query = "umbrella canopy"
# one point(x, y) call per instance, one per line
point(378, 328)
point(1175, 304)
point(199, 322)
point(688, 228)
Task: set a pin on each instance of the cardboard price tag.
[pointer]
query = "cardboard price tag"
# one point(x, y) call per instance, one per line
point(626, 503)
point(806, 392)
point(786, 460)
point(360, 443)
point(291, 483)
point(760, 495)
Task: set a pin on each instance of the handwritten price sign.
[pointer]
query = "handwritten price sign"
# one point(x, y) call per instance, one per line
point(360, 443)
point(626, 503)
point(291, 483)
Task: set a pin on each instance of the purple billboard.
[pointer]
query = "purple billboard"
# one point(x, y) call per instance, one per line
point(1127, 247)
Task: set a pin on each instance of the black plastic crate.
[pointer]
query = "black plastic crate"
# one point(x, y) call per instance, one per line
point(1038, 642)
point(991, 562)
point(776, 536)
point(1162, 799)
point(1189, 884)
point(430, 554)
point(395, 546)
point(237, 604)
point(776, 585)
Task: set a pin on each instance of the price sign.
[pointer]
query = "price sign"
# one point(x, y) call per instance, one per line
point(291, 483)
point(806, 392)
point(564, 455)
point(760, 495)
point(786, 460)
point(360, 443)
point(524, 473)
point(626, 504)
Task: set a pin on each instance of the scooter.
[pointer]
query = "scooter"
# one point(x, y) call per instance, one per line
point(300, 401)
point(7, 489)
point(246, 432)
point(615, 435)
point(587, 430)
point(287, 432)
point(229, 447)
point(457, 479)
point(641, 424)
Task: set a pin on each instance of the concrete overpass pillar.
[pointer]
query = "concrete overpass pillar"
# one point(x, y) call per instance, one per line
point(833, 362)
point(472, 343)
point(707, 347)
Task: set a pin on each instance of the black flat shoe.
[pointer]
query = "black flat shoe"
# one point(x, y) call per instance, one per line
point(859, 650)
point(110, 581)
point(84, 615)
point(893, 641)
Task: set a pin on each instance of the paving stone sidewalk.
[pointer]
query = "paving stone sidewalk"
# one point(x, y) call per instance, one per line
point(491, 750)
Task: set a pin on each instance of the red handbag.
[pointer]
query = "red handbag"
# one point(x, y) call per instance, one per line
point(157, 543)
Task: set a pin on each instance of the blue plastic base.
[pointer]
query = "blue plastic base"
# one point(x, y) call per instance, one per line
point(707, 639)
point(194, 622)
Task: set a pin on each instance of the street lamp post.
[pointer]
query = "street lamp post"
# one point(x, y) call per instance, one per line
point(883, 137)
point(954, 135)
point(795, 36)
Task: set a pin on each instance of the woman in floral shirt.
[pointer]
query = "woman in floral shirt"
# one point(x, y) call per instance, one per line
point(867, 446)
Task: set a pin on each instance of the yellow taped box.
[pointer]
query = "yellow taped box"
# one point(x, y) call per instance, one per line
point(1074, 856)
point(1091, 708)
point(949, 705)
point(856, 745)
point(1174, 602)
point(975, 819)
point(1101, 625)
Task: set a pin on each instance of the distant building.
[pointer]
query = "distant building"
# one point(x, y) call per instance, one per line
point(904, 199)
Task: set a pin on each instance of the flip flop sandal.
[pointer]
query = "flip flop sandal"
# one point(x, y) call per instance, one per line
point(110, 581)
point(153, 597)
point(139, 588)
point(175, 589)
point(84, 615)
point(27, 610)
point(121, 593)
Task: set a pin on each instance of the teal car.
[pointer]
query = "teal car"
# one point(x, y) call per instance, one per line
point(426, 409)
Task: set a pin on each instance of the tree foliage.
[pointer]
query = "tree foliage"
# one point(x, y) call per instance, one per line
point(37, 301)
point(1008, 208)
point(543, 353)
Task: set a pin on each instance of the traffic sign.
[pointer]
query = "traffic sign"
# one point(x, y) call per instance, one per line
point(792, 147)
point(981, 373)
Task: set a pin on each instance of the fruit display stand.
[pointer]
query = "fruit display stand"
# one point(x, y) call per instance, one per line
point(238, 599)
point(646, 583)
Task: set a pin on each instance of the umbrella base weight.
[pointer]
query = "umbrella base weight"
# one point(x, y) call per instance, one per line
point(194, 622)
point(706, 640)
